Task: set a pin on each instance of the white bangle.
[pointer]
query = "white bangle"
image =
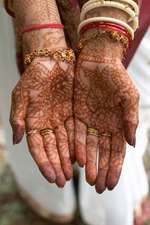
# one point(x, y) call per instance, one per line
point(106, 19)
point(132, 3)
point(117, 5)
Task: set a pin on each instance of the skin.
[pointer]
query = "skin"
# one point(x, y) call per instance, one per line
point(43, 96)
point(106, 100)
point(96, 79)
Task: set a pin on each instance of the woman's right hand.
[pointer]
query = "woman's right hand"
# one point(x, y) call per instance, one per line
point(42, 105)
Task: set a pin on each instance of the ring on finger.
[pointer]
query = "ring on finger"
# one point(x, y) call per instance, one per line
point(30, 132)
point(93, 131)
point(106, 134)
point(46, 131)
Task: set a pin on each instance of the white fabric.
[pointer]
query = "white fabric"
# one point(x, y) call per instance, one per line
point(26, 172)
point(140, 70)
point(110, 208)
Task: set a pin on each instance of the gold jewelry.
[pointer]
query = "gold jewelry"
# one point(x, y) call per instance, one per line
point(59, 55)
point(46, 131)
point(34, 131)
point(114, 35)
point(93, 131)
point(107, 19)
point(106, 135)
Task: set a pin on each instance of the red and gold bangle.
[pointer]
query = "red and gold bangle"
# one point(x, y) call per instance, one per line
point(112, 34)
point(41, 26)
point(106, 26)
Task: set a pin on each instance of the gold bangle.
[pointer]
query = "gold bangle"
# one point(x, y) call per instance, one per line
point(114, 35)
point(59, 55)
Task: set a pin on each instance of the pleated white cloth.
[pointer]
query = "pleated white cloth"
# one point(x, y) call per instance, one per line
point(110, 208)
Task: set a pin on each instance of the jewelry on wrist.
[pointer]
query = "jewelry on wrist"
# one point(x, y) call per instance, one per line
point(114, 35)
point(106, 26)
point(125, 8)
point(59, 55)
point(132, 3)
point(106, 19)
point(41, 26)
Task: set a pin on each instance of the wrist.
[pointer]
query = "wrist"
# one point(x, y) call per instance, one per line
point(101, 45)
point(53, 39)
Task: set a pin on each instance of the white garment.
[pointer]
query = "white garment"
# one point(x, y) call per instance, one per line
point(111, 208)
point(140, 70)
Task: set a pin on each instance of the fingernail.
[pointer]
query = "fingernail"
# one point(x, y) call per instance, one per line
point(48, 173)
point(133, 143)
point(18, 132)
point(130, 133)
point(15, 139)
point(68, 173)
point(100, 190)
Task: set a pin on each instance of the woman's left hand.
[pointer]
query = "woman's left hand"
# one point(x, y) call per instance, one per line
point(106, 116)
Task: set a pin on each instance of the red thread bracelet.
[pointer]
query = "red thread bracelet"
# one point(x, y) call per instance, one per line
point(41, 26)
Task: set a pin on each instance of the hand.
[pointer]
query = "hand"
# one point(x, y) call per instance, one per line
point(42, 100)
point(106, 100)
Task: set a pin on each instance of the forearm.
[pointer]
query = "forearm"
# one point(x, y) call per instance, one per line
point(43, 12)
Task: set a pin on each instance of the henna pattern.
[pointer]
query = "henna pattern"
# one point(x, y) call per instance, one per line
point(107, 100)
point(43, 99)
point(70, 15)
point(43, 96)
point(43, 12)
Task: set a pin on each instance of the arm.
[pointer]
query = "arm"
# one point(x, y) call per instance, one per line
point(109, 100)
point(42, 99)
point(44, 12)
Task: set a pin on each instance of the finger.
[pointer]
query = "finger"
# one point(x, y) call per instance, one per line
point(116, 160)
point(130, 133)
point(52, 154)
point(63, 149)
point(70, 131)
point(36, 148)
point(104, 156)
point(90, 169)
point(17, 115)
point(80, 142)
point(130, 103)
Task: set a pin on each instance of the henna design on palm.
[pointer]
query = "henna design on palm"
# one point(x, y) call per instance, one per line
point(107, 100)
point(43, 99)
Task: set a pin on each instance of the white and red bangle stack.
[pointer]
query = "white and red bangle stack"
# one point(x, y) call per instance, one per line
point(126, 29)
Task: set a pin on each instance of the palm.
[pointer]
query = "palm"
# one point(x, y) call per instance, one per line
point(43, 100)
point(106, 100)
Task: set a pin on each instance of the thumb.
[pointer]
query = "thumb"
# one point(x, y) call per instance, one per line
point(130, 104)
point(17, 115)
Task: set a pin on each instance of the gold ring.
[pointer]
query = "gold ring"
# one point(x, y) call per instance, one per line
point(30, 132)
point(92, 131)
point(46, 131)
point(106, 134)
